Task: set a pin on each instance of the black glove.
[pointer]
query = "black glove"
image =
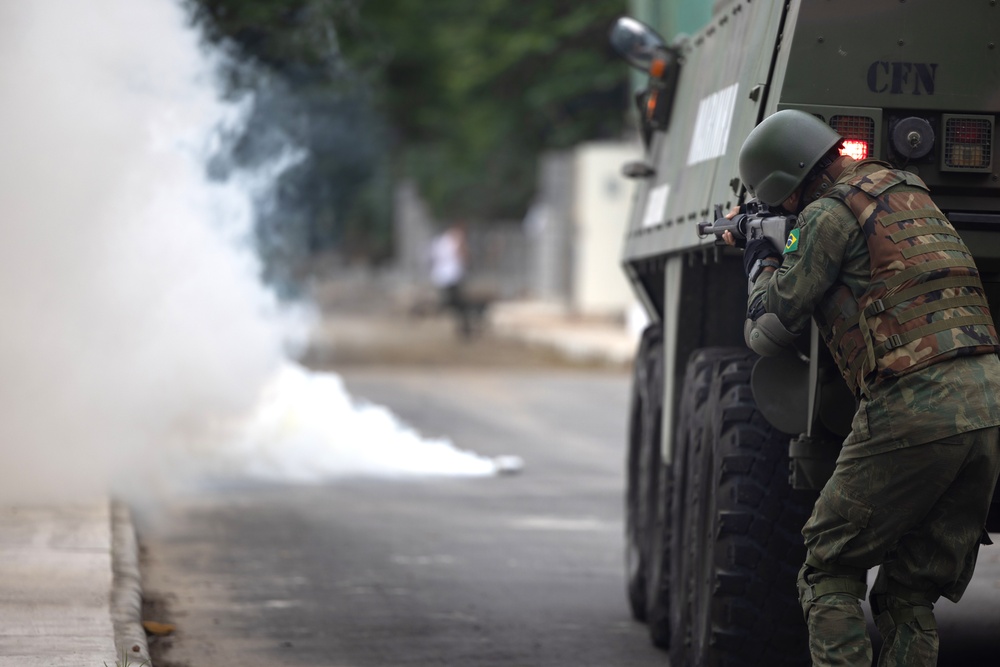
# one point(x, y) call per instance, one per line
point(758, 250)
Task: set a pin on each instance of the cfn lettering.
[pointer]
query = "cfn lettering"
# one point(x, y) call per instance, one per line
point(899, 78)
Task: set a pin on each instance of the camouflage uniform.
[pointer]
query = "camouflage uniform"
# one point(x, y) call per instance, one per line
point(915, 476)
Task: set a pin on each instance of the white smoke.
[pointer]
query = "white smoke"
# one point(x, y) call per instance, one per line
point(134, 324)
point(307, 428)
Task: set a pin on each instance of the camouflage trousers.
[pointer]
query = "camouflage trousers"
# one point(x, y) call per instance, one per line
point(918, 514)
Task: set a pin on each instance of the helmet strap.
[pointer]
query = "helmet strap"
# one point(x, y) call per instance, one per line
point(819, 185)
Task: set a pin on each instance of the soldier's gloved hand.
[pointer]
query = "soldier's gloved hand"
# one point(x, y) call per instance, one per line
point(758, 254)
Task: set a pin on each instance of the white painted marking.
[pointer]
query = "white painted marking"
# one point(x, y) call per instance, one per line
point(711, 127)
point(656, 205)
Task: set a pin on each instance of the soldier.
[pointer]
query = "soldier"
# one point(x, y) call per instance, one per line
point(898, 300)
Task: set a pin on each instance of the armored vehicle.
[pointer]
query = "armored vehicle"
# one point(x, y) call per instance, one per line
point(726, 452)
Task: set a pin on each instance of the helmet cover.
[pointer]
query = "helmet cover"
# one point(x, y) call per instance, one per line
point(779, 153)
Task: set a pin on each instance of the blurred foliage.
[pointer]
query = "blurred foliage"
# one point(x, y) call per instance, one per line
point(475, 91)
point(460, 96)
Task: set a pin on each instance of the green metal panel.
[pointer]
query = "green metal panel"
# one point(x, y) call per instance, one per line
point(696, 160)
point(887, 53)
point(757, 37)
point(827, 112)
point(894, 60)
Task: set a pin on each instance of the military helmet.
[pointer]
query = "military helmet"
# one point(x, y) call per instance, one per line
point(778, 153)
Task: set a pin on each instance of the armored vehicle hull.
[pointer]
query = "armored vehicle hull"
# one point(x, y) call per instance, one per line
point(725, 455)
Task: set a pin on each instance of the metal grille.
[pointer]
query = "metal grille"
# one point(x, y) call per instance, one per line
point(861, 128)
point(968, 143)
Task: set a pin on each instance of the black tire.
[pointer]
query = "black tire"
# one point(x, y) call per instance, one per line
point(635, 539)
point(658, 570)
point(642, 467)
point(701, 370)
point(737, 546)
point(661, 578)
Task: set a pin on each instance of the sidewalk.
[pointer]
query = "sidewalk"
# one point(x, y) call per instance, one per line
point(69, 587)
point(577, 337)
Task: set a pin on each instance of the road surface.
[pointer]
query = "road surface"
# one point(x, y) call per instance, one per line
point(521, 569)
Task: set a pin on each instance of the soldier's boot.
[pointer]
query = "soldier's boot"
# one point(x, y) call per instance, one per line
point(831, 603)
point(908, 629)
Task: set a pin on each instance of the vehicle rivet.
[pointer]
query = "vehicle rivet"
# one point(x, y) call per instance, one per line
point(820, 40)
point(901, 42)
point(992, 45)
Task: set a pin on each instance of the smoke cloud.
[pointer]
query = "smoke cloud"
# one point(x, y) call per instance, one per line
point(136, 337)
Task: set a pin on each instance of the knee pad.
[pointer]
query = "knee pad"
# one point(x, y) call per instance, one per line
point(901, 606)
point(814, 584)
point(767, 336)
point(887, 592)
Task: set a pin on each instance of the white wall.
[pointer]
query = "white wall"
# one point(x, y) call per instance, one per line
point(601, 204)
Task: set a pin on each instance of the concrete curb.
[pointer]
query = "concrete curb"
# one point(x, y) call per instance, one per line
point(126, 593)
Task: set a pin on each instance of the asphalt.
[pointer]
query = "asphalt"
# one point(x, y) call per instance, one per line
point(70, 585)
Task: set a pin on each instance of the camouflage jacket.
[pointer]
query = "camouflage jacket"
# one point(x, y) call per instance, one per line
point(827, 252)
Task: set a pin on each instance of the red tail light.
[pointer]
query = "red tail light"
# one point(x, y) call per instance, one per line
point(858, 133)
point(855, 148)
point(967, 131)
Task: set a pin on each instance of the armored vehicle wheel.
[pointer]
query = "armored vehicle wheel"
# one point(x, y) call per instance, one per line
point(659, 573)
point(642, 466)
point(635, 575)
point(736, 540)
point(658, 570)
point(635, 539)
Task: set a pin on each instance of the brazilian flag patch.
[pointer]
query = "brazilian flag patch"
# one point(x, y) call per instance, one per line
point(792, 244)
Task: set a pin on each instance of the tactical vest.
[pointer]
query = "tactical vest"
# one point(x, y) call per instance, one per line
point(925, 302)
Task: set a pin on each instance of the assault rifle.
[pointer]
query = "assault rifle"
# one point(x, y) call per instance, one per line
point(753, 221)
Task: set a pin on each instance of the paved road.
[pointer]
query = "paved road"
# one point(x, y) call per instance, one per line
point(514, 570)
point(519, 570)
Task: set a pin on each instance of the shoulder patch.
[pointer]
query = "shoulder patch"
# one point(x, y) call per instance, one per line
point(792, 244)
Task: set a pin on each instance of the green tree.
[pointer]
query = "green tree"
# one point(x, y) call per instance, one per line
point(460, 96)
point(475, 92)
